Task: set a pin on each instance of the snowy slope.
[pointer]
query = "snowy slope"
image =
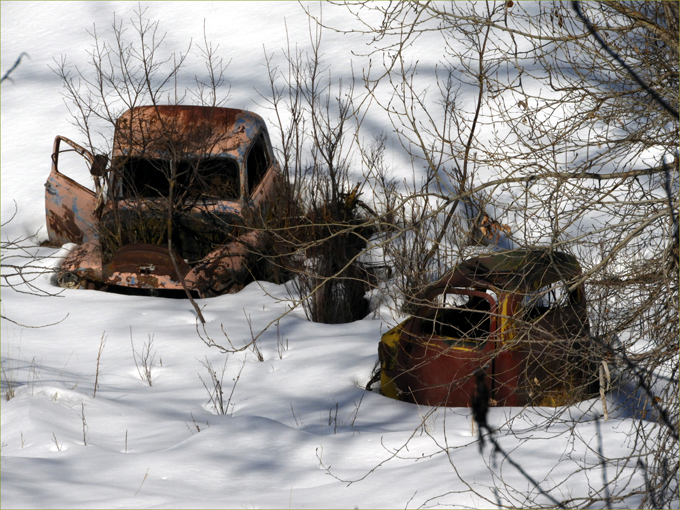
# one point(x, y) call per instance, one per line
point(299, 426)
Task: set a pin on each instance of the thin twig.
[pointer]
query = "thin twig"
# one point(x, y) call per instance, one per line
point(615, 56)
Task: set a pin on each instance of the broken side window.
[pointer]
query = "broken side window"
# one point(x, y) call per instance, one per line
point(75, 166)
point(548, 298)
point(258, 162)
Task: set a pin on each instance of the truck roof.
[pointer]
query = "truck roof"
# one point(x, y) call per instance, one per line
point(512, 270)
point(185, 130)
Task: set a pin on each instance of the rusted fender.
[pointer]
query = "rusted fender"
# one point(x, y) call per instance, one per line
point(82, 264)
point(226, 269)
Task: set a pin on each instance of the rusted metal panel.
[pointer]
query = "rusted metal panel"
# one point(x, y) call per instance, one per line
point(428, 366)
point(146, 260)
point(532, 355)
point(123, 236)
point(69, 206)
point(83, 264)
point(226, 269)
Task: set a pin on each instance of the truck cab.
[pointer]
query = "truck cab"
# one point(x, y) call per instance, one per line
point(177, 207)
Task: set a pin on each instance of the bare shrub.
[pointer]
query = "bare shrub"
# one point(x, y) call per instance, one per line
point(215, 386)
point(320, 226)
point(9, 378)
point(144, 359)
point(102, 343)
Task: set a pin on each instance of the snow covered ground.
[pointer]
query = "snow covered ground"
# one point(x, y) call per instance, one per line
point(292, 418)
point(299, 426)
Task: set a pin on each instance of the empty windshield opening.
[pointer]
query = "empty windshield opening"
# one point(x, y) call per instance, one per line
point(461, 316)
point(150, 177)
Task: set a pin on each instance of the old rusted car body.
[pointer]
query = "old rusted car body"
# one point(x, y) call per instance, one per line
point(518, 316)
point(177, 209)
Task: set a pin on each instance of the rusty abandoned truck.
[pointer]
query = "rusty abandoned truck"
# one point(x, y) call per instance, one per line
point(517, 316)
point(175, 210)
